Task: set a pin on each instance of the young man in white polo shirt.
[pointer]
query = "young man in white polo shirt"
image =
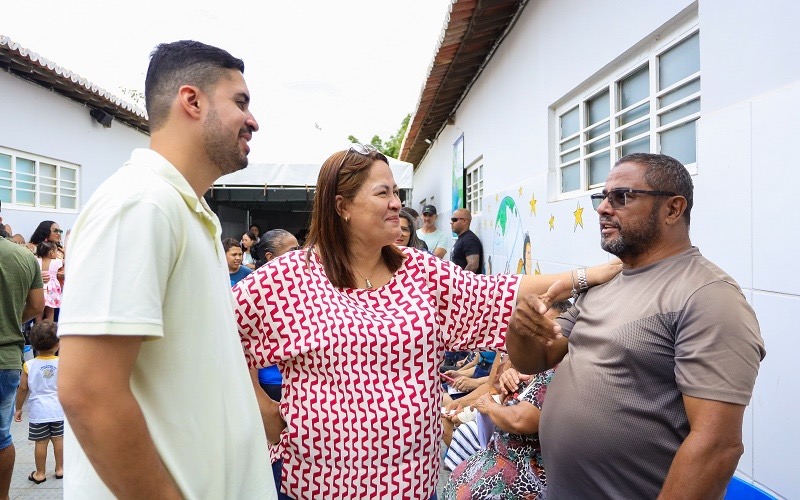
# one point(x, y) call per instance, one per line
point(153, 381)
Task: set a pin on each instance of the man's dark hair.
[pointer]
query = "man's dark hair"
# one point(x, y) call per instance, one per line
point(186, 62)
point(3, 233)
point(229, 243)
point(665, 173)
point(43, 335)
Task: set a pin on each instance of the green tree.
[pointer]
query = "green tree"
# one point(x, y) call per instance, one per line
point(391, 146)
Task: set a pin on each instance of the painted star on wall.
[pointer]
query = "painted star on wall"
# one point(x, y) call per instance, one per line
point(520, 191)
point(496, 197)
point(537, 270)
point(533, 204)
point(578, 213)
point(552, 221)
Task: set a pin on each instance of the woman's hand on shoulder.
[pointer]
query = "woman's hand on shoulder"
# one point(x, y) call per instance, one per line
point(597, 275)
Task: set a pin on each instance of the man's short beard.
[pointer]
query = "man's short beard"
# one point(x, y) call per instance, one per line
point(637, 240)
point(226, 156)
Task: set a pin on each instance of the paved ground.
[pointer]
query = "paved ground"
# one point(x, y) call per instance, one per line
point(21, 488)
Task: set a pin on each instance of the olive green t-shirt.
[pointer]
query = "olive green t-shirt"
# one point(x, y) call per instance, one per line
point(19, 273)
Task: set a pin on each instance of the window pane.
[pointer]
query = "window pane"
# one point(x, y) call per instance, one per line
point(634, 88)
point(570, 156)
point(570, 178)
point(47, 200)
point(680, 143)
point(25, 197)
point(5, 178)
point(598, 145)
point(598, 108)
point(570, 122)
point(598, 130)
point(637, 112)
point(25, 166)
point(598, 168)
point(634, 130)
point(47, 185)
point(68, 202)
point(681, 111)
point(47, 170)
point(679, 93)
point(640, 146)
point(679, 62)
point(68, 174)
point(570, 143)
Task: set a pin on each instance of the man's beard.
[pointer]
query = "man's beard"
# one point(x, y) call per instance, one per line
point(636, 239)
point(226, 155)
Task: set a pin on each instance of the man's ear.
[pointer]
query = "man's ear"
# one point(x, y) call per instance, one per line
point(675, 208)
point(190, 99)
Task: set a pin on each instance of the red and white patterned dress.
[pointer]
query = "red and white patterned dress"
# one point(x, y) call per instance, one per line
point(361, 391)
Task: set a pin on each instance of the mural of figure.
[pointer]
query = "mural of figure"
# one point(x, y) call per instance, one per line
point(525, 264)
point(507, 233)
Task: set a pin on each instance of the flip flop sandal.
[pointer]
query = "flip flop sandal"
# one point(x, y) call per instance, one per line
point(60, 477)
point(37, 481)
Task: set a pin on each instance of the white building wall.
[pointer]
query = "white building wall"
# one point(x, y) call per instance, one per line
point(41, 122)
point(747, 173)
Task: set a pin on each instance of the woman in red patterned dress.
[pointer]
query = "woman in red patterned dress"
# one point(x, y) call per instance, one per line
point(358, 328)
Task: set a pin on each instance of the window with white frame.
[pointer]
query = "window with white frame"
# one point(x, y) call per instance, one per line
point(473, 180)
point(28, 180)
point(649, 107)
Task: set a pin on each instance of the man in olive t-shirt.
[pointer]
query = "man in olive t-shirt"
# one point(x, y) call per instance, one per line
point(21, 298)
point(651, 389)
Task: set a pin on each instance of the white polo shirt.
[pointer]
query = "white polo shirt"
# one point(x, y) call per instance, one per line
point(146, 259)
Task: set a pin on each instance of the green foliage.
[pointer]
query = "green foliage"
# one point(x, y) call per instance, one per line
point(390, 147)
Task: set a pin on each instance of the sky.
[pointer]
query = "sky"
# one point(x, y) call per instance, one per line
point(318, 70)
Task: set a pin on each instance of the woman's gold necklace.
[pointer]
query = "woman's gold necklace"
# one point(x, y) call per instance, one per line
point(366, 280)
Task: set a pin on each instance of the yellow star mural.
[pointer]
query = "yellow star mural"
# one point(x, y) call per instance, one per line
point(578, 213)
point(497, 197)
point(520, 191)
point(552, 221)
point(533, 204)
point(537, 270)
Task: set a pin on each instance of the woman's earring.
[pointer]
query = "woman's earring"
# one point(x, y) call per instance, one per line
point(347, 218)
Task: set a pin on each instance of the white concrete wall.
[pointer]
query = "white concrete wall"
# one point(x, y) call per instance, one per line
point(38, 121)
point(747, 172)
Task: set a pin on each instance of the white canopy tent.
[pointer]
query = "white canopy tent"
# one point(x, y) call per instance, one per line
point(297, 175)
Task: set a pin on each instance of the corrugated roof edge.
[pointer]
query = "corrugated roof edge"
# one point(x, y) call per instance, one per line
point(442, 34)
point(74, 79)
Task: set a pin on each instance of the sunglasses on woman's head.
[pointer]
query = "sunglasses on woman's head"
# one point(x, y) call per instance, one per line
point(362, 149)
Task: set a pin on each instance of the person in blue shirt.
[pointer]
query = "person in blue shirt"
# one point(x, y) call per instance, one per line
point(233, 254)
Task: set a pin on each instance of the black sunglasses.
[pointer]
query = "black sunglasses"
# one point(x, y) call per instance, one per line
point(618, 197)
point(456, 219)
